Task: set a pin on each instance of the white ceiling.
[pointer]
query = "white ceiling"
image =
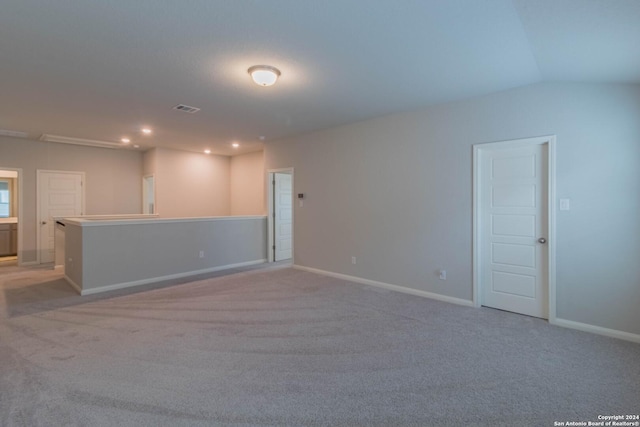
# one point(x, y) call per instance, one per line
point(101, 69)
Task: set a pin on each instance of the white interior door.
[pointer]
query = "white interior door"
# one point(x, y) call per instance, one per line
point(283, 221)
point(148, 194)
point(513, 199)
point(59, 195)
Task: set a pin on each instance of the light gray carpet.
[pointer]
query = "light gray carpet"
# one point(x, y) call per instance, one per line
point(288, 348)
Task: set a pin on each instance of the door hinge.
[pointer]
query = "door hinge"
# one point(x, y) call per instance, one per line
point(273, 247)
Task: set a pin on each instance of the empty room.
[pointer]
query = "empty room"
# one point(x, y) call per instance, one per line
point(334, 213)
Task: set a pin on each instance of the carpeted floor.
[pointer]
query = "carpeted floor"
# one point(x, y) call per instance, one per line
point(284, 347)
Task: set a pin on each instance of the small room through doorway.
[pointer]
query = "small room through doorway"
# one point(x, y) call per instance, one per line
point(10, 216)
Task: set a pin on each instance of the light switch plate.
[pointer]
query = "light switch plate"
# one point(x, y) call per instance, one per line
point(565, 204)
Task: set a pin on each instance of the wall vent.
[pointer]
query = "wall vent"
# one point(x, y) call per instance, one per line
point(186, 108)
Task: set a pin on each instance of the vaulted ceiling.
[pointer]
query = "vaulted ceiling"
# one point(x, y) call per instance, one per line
point(101, 69)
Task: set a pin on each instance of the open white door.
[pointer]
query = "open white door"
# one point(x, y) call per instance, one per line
point(60, 194)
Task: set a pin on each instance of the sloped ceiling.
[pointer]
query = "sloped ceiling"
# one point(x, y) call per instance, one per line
point(584, 40)
point(101, 69)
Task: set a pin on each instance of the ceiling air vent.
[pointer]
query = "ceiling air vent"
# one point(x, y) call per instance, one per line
point(186, 108)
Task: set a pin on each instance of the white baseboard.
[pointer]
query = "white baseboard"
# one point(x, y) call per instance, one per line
point(425, 294)
point(28, 263)
point(559, 322)
point(585, 327)
point(131, 284)
point(73, 284)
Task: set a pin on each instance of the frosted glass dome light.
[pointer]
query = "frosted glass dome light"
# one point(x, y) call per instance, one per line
point(264, 75)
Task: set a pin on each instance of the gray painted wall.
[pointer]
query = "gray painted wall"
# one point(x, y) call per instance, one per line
point(113, 178)
point(199, 185)
point(122, 253)
point(149, 162)
point(190, 184)
point(73, 250)
point(396, 192)
point(247, 184)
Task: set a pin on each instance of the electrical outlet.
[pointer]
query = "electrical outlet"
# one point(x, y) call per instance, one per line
point(201, 254)
point(443, 274)
point(353, 260)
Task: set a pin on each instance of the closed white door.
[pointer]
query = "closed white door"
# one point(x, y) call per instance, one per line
point(513, 198)
point(283, 221)
point(59, 195)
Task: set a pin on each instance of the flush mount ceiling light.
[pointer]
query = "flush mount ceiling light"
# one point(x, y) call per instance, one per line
point(207, 151)
point(125, 140)
point(146, 131)
point(235, 145)
point(264, 75)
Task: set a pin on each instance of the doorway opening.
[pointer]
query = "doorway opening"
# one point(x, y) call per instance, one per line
point(514, 226)
point(280, 219)
point(11, 213)
point(148, 194)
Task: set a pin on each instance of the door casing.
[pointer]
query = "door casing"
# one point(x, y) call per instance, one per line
point(148, 180)
point(550, 141)
point(20, 212)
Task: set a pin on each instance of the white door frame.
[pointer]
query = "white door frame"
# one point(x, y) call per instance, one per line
point(20, 210)
point(271, 210)
point(550, 141)
point(144, 194)
point(39, 173)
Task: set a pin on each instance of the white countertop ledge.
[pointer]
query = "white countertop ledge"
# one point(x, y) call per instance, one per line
point(88, 222)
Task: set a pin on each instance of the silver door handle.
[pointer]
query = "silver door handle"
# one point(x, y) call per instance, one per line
point(542, 240)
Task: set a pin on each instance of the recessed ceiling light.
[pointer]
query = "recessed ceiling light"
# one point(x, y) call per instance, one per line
point(125, 140)
point(235, 145)
point(264, 75)
point(146, 131)
point(136, 146)
point(207, 151)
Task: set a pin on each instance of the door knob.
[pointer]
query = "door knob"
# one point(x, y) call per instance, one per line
point(542, 240)
point(44, 222)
